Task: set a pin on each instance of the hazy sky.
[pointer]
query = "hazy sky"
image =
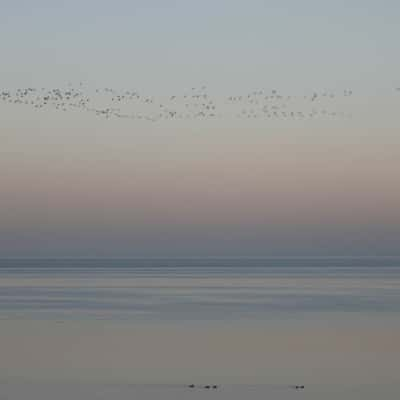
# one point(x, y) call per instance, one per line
point(75, 185)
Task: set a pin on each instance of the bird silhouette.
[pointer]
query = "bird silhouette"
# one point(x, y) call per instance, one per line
point(197, 103)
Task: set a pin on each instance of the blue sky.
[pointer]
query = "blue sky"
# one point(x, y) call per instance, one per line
point(317, 41)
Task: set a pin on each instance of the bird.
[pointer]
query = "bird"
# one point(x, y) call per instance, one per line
point(299, 387)
point(111, 103)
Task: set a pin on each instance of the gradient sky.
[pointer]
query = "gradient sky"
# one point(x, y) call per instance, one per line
point(75, 185)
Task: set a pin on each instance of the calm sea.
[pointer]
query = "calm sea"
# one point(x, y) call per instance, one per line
point(98, 329)
point(198, 289)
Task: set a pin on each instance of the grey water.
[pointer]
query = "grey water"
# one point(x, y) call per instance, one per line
point(123, 328)
point(217, 289)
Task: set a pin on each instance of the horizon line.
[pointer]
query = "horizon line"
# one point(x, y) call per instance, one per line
point(189, 257)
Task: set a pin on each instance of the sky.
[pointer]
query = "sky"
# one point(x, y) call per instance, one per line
point(74, 185)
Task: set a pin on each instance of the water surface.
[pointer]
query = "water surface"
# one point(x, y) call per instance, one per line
point(325, 322)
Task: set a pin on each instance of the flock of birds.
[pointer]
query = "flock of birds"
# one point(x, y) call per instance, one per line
point(193, 386)
point(195, 103)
